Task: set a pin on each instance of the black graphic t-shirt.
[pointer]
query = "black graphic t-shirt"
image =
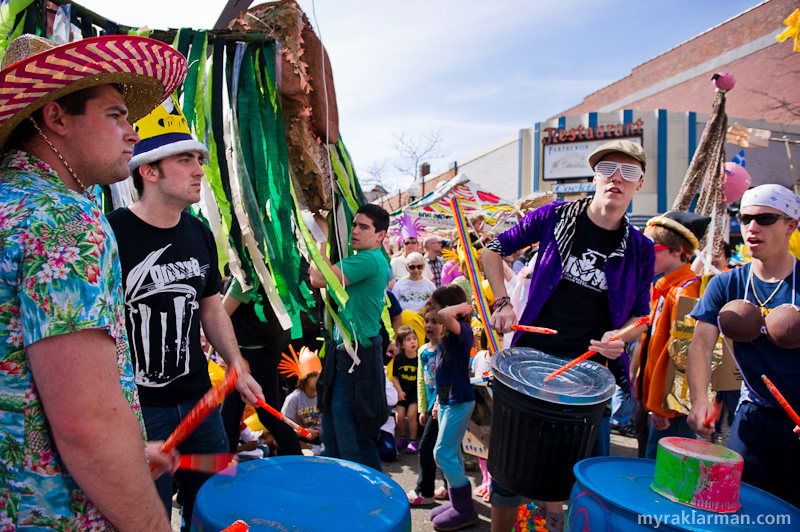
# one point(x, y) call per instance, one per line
point(405, 369)
point(165, 274)
point(578, 308)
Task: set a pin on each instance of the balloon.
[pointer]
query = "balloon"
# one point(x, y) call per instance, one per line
point(724, 81)
point(737, 181)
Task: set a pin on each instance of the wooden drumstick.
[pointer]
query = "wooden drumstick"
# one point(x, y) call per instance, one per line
point(588, 354)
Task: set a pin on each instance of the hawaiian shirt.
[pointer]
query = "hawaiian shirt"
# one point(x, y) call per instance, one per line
point(59, 273)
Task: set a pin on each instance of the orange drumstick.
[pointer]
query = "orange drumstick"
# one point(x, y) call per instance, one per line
point(203, 407)
point(713, 416)
point(238, 526)
point(781, 400)
point(285, 419)
point(206, 463)
point(533, 329)
point(588, 354)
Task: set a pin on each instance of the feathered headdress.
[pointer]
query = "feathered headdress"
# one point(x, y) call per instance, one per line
point(307, 362)
point(406, 227)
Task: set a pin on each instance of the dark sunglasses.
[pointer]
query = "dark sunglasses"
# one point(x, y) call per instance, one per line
point(765, 218)
point(415, 266)
point(407, 242)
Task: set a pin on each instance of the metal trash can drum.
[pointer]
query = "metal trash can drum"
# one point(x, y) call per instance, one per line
point(614, 493)
point(302, 494)
point(540, 430)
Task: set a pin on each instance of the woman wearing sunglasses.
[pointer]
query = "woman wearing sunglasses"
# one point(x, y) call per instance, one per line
point(414, 291)
point(761, 431)
point(592, 277)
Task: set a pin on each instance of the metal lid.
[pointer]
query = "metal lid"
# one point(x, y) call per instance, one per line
point(524, 369)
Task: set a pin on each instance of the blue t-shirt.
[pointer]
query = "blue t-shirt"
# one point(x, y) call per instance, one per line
point(427, 361)
point(452, 368)
point(761, 356)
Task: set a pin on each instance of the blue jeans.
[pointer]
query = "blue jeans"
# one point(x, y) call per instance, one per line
point(677, 427)
point(771, 451)
point(340, 434)
point(453, 421)
point(621, 408)
point(602, 445)
point(208, 438)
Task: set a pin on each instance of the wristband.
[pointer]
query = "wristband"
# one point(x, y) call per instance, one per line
point(500, 303)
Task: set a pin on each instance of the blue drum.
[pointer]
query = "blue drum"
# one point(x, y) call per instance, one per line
point(302, 494)
point(613, 493)
point(540, 430)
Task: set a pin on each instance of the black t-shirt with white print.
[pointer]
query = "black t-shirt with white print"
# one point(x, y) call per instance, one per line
point(578, 308)
point(165, 274)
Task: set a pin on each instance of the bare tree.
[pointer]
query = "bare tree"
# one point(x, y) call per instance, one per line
point(415, 150)
point(376, 172)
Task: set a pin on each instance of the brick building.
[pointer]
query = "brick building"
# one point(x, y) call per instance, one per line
point(767, 72)
point(663, 104)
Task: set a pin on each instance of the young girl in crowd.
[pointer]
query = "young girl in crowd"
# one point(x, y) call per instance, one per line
point(301, 405)
point(426, 397)
point(404, 378)
point(455, 400)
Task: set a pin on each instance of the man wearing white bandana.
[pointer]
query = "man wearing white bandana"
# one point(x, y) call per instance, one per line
point(762, 431)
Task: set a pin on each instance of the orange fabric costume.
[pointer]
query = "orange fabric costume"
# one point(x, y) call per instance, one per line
point(664, 294)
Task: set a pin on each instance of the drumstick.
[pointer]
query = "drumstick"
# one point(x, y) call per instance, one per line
point(238, 526)
point(571, 364)
point(533, 329)
point(203, 407)
point(713, 416)
point(285, 419)
point(781, 400)
point(207, 463)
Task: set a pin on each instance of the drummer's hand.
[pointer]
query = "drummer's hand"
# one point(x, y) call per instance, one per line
point(246, 385)
point(161, 462)
point(659, 422)
point(610, 350)
point(797, 430)
point(503, 319)
point(701, 410)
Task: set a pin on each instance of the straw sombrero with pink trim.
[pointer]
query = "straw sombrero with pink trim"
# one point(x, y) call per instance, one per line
point(35, 71)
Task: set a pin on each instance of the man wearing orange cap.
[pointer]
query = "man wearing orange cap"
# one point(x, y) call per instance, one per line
point(73, 443)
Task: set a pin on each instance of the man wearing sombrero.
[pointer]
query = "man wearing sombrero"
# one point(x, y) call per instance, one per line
point(72, 441)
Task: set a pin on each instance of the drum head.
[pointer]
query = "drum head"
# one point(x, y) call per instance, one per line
point(524, 370)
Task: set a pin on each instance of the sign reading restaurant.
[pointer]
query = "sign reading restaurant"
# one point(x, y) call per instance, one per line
point(565, 151)
point(553, 135)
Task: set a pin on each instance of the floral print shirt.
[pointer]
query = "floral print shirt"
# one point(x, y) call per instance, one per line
point(59, 273)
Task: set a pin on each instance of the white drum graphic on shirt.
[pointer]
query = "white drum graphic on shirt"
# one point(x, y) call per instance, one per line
point(587, 271)
point(147, 279)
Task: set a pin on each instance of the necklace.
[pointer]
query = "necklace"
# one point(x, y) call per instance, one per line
point(763, 304)
point(66, 164)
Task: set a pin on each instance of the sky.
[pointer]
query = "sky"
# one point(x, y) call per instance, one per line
point(473, 72)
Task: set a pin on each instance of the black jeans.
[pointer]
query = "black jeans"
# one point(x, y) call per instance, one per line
point(264, 369)
point(427, 465)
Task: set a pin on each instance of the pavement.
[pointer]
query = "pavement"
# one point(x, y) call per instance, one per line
point(404, 472)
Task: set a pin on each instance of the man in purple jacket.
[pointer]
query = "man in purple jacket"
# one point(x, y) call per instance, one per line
point(592, 277)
